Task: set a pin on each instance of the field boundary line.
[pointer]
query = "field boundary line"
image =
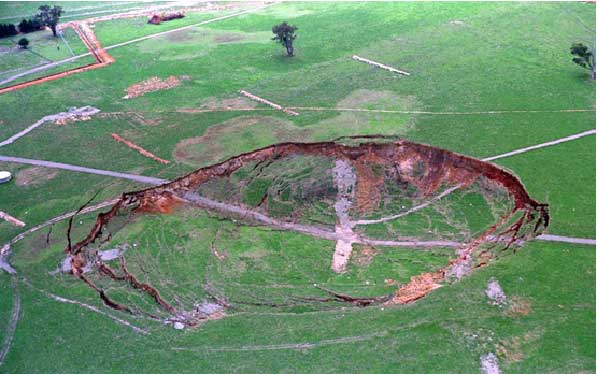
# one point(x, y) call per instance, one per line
point(542, 145)
point(334, 109)
point(86, 306)
point(271, 347)
point(14, 319)
point(325, 109)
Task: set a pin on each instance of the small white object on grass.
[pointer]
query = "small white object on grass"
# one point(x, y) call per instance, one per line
point(5, 176)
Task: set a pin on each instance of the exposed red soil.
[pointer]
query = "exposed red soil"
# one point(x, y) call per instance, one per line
point(426, 167)
point(150, 85)
point(365, 255)
point(418, 287)
point(165, 203)
point(139, 149)
point(369, 187)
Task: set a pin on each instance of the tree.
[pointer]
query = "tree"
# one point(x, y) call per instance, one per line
point(584, 57)
point(285, 34)
point(7, 30)
point(50, 16)
point(23, 43)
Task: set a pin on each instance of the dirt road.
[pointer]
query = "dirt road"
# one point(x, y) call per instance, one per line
point(82, 169)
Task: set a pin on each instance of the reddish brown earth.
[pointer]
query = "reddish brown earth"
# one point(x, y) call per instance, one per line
point(139, 149)
point(150, 85)
point(369, 187)
point(426, 167)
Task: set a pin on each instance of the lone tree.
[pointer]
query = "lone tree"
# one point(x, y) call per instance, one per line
point(23, 43)
point(285, 34)
point(49, 16)
point(584, 57)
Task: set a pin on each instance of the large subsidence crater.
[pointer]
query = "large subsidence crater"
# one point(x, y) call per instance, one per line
point(366, 192)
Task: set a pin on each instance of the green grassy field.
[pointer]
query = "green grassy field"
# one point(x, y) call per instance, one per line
point(502, 57)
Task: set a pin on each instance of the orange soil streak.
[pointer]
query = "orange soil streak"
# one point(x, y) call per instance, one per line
point(88, 38)
point(165, 204)
point(150, 85)
point(369, 186)
point(139, 149)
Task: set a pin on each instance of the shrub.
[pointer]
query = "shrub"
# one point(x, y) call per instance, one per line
point(23, 43)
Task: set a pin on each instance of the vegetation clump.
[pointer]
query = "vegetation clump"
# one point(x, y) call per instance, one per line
point(7, 30)
point(585, 57)
point(29, 25)
point(49, 16)
point(23, 43)
point(285, 34)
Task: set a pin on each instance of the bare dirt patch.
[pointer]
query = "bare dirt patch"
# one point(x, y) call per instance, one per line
point(511, 349)
point(213, 145)
point(364, 257)
point(68, 120)
point(370, 180)
point(34, 176)
point(180, 36)
point(237, 103)
point(152, 84)
point(228, 38)
point(517, 306)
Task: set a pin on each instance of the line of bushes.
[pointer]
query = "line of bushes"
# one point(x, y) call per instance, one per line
point(30, 25)
point(25, 26)
point(7, 30)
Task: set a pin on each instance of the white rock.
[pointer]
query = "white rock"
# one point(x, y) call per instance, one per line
point(178, 325)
